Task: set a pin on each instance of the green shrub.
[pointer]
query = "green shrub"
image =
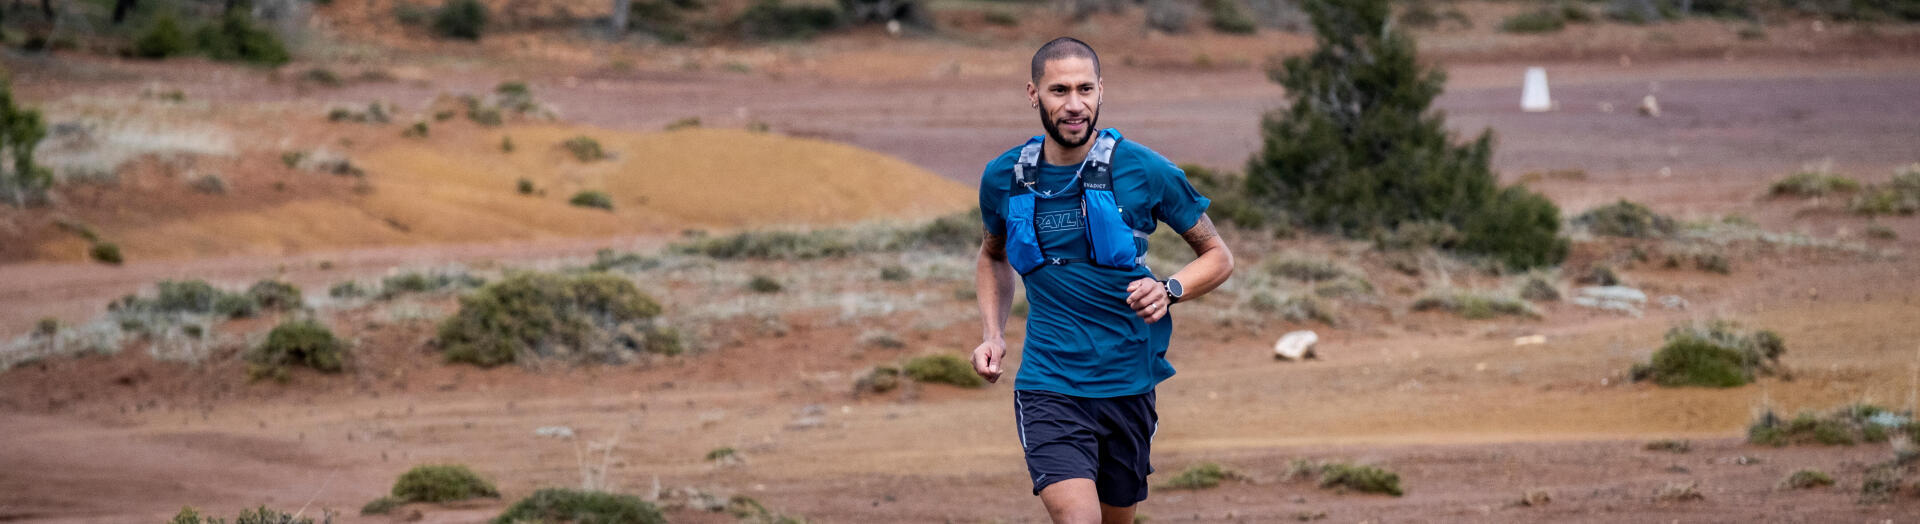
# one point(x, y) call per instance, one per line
point(749, 511)
point(1670, 446)
point(585, 148)
point(441, 483)
point(419, 282)
point(1519, 228)
point(582, 507)
point(235, 39)
point(506, 145)
point(1364, 479)
point(261, 515)
point(773, 20)
point(552, 315)
point(943, 368)
point(1625, 219)
point(1227, 16)
point(1474, 305)
point(1305, 269)
point(1198, 476)
point(188, 296)
point(764, 284)
point(895, 274)
point(162, 38)
point(1900, 196)
point(463, 19)
point(692, 122)
point(1545, 20)
point(955, 232)
point(773, 245)
point(1844, 426)
point(1813, 183)
point(410, 14)
point(1806, 479)
point(105, 253)
point(322, 76)
point(592, 198)
point(1002, 18)
point(301, 342)
point(880, 379)
point(1230, 202)
point(486, 116)
point(1713, 354)
point(1881, 232)
point(417, 130)
point(23, 182)
point(381, 506)
point(1358, 152)
point(275, 294)
point(1539, 289)
point(1881, 482)
point(348, 289)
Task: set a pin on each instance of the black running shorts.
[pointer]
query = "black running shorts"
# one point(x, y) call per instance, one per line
point(1103, 439)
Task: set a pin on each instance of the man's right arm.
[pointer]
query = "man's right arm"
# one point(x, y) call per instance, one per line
point(993, 287)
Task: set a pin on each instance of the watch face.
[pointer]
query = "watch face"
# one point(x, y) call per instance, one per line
point(1173, 288)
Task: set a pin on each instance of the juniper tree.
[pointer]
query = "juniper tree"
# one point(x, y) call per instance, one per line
point(1359, 153)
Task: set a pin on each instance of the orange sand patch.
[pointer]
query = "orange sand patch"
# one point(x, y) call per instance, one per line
point(459, 186)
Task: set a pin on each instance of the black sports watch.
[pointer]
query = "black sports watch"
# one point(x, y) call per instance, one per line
point(1174, 290)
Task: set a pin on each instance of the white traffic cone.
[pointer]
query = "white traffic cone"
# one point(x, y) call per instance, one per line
point(1533, 96)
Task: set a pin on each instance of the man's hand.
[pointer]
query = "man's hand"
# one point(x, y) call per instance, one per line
point(986, 358)
point(1148, 298)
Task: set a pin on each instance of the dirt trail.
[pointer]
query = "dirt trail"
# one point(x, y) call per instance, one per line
point(1469, 420)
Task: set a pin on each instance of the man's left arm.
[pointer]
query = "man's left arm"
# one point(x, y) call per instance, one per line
point(1211, 267)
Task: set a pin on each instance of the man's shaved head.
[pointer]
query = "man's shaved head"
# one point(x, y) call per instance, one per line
point(1059, 48)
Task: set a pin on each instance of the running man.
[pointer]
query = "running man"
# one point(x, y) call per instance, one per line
point(1070, 212)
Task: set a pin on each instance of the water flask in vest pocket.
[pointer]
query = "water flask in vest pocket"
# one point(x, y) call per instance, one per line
point(1111, 236)
point(1023, 246)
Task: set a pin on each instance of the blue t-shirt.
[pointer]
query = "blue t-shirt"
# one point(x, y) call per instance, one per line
point(1082, 339)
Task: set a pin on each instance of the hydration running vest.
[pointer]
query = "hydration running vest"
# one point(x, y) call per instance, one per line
point(1112, 238)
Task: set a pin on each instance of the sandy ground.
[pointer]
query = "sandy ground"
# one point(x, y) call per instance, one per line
point(1469, 421)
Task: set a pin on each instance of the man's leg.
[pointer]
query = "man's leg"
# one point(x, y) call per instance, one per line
point(1073, 501)
point(1116, 515)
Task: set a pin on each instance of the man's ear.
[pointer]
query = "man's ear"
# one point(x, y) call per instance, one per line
point(1033, 95)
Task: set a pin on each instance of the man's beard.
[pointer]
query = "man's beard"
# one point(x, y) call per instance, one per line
point(1053, 129)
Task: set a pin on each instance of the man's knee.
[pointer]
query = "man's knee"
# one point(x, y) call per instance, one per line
point(1072, 501)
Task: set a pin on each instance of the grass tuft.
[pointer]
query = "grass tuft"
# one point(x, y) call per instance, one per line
point(592, 198)
point(1199, 476)
point(1626, 219)
point(1806, 479)
point(567, 505)
point(1475, 305)
point(944, 368)
point(441, 483)
point(1813, 183)
point(1364, 479)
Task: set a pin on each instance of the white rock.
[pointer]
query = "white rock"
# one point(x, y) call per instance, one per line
point(1530, 340)
point(1618, 293)
point(1649, 106)
point(1673, 302)
point(1297, 345)
point(554, 431)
